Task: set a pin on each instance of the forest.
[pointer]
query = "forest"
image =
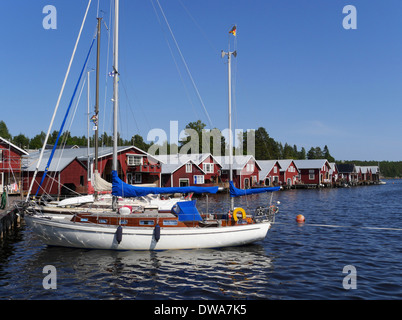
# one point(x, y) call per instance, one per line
point(265, 147)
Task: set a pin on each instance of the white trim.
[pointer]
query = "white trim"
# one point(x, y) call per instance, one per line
point(183, 180)
point(14, 146)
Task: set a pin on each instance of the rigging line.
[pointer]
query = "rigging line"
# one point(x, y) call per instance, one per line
point(59, 99)
point(65, 136)
point(64, 120)
point(176, 64)
point(129, 105)
point(215, 49)
point(185, 64)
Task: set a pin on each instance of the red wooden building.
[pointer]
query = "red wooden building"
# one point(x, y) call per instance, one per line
point(333, 173)
point(245, 170)
point(189, 170)
point(10, 166)
point(270, 172)
point(289, 173)
point(314, 172)
point(68, 172)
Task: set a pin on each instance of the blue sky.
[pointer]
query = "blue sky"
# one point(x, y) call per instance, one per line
point(298, 72)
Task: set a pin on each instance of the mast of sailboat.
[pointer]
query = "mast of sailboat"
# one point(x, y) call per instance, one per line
point(115, 91)
point(88, 117)
point(229, 54)
point(97, 100)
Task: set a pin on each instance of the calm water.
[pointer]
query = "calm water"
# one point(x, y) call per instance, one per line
point(293, 262)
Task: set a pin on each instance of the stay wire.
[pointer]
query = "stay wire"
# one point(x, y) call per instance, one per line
point(185, 64)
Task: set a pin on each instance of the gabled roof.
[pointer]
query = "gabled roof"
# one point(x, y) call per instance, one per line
point(311, 164)
point(13, 146)
point(346, 168)
point(239, 162)
point(333, 167)
point(170, 168)
point(197, 158)
point(266, 167)
point(374, 169)
point(285, 163)
point(63, 157)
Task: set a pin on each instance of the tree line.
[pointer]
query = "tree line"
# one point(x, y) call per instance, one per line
point(265, 147)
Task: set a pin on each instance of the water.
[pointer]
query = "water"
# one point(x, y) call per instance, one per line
point(295, 261)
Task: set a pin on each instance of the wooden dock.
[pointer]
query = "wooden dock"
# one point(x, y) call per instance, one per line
point(9, 218)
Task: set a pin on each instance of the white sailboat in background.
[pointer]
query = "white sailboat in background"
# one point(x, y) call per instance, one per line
point(183, 227)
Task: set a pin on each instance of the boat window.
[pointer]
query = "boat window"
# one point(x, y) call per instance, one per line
point(102, 220)
point(123, 221)
point(147, 222)
point(170, 222)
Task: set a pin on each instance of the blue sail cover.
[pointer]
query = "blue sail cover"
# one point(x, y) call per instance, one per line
point(187, 211)
point(122, 189)
point(234, 192)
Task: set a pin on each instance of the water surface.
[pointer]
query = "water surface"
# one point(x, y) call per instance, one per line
point(295, 261)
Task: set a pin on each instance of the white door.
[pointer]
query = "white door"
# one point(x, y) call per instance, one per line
point(1, 182)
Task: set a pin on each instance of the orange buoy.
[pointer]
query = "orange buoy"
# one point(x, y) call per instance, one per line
point(300, 218)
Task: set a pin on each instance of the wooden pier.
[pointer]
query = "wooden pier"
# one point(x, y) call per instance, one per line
point(9, 218)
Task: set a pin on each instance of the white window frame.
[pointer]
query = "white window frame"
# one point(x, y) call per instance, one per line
point(199, 179)
point(135, 160)
point(184, 179)
point(208, 167)
point(189, 167)
point(311, 176)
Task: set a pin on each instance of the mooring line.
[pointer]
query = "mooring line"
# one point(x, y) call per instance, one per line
point(338, 226)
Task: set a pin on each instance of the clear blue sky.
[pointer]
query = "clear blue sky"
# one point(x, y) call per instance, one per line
point(298, 72)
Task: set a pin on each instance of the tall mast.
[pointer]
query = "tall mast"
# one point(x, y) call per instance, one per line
point(115, 91)
point(88, 144)
point(97, 96)
point(229, 54)
point(115, 83)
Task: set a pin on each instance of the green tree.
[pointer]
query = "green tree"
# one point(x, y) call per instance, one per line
point(266, 148)
point(311, 154)
point(302, 154)
point(37, 141)
point(21, 141)
point(327, 155)
point(193, 131)
point(4, 131)
point(139, 142)
point(288, 152)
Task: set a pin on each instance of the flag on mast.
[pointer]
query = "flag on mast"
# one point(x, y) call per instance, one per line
point(233, 31)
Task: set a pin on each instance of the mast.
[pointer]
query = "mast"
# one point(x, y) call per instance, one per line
point(97, 97)
point(115, 91)
point(229, 54)
point(88, 144)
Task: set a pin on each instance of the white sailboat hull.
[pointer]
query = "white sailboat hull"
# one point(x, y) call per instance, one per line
point(61, 232)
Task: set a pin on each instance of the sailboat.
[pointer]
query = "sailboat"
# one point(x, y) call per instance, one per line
point(183, 227)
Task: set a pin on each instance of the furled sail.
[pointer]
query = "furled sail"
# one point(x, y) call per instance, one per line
point(234, 192)
point(122, 189)
point(100, 184)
